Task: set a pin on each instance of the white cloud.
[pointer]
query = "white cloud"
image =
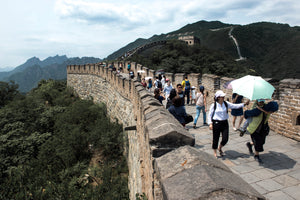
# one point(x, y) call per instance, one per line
point(99, 27)
point(100, 12)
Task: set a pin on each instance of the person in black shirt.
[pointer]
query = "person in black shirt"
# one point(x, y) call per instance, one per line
point(180, 93)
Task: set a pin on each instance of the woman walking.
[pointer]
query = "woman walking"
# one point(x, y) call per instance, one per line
point(200, 105)
point(237, 112)
point(149, 84)
point(218, 120)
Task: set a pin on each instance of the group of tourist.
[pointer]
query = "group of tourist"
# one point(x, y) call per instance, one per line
point(256, 123)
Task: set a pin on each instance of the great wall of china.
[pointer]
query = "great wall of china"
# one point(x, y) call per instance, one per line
point(162, 161)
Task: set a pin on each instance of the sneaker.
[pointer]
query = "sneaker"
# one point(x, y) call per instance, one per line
point(242, 132)
point(248, 144)
point(205, 124)
point(258, 159)
point(194, 126)
point(234, 129)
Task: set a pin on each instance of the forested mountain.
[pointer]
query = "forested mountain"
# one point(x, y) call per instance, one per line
point(33, 70)
point(176, 56)
point(270, 49)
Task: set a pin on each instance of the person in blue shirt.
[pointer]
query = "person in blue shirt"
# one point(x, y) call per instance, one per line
point(257, 126)
point(177, 110)
point(150, 84)
point(268, 108)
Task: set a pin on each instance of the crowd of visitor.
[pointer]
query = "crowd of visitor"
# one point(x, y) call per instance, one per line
point(175, 98)
point(256, 123)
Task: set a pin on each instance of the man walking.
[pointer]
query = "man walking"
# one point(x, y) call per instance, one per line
point(186, 88)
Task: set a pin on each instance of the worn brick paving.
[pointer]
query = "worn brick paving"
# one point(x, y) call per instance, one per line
point(277, 178)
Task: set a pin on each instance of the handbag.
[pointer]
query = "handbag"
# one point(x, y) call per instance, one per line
point(188, 118)
point(266, 129)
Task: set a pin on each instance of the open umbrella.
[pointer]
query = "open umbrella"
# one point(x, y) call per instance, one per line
point(160, 71)
point(140, 71)
point(148, 77)
point(252, 87)
point(228, 85)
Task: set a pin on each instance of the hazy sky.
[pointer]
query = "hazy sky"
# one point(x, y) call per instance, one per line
point(44, 28)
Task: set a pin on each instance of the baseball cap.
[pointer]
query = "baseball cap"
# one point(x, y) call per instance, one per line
point(220, 93)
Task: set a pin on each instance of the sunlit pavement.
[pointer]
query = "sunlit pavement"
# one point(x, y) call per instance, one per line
point(279, 175)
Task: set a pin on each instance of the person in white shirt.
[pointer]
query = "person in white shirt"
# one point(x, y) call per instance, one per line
point(218, 120)
point(167, 88)
point(163, 81)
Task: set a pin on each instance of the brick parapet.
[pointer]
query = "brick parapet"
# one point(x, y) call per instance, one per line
point(287, 120)
point(128, 102)
point(287, 92)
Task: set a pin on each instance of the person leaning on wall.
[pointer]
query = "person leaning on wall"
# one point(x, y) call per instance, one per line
point(178, 110)
point(218, 120)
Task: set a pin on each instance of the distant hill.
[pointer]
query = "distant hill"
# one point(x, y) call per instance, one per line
point(34, 61)
point(33, 70)
point(271, 49)
point(6, 69)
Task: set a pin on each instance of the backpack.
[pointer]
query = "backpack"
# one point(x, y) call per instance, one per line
point(131, 74)
point(159, 84)
point(187, 85)
point(215, 106)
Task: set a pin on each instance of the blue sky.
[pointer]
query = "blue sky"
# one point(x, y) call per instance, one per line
point(44, 28)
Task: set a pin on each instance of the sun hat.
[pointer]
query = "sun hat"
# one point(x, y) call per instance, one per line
point(220, 93)
point(260, 100)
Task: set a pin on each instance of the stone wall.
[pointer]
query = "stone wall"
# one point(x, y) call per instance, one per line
point(287, 120)
point(162, 161)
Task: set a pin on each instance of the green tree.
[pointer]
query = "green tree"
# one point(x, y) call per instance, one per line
point(8, 92)
point(47, 141)
point(177, 57)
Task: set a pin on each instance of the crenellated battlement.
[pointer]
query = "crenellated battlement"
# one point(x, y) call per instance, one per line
point(159, 145)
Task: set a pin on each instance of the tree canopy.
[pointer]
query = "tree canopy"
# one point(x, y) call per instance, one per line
point(48, 141)
point(177, 57)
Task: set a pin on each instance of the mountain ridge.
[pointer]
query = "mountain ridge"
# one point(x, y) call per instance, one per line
point(28, 74)
point(269, 48)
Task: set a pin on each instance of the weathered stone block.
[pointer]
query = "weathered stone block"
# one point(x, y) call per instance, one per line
point(187, 173)
point(168, 132)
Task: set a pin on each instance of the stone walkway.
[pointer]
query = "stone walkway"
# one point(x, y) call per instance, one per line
point(278, 178)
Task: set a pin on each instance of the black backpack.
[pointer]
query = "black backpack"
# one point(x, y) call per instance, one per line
point(159, 84)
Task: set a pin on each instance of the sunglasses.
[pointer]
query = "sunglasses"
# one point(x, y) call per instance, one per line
point(179, 87)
